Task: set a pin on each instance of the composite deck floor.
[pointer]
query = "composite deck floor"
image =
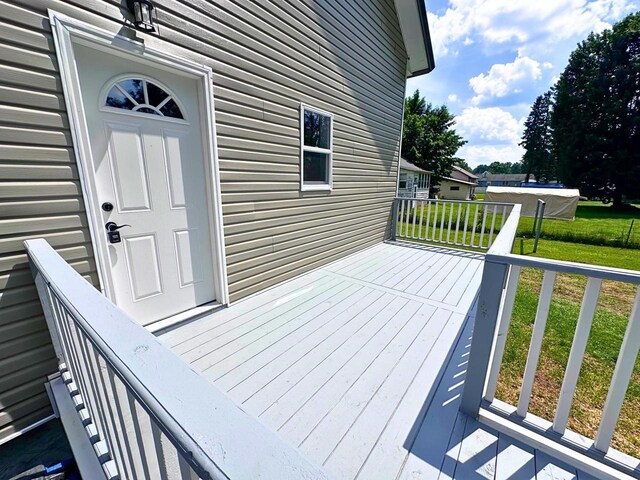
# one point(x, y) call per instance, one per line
point(361, 365)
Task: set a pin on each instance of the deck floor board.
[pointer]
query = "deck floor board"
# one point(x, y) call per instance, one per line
point(361, 365)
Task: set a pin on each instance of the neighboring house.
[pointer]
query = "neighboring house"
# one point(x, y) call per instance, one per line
point(487, 179)
point(234, 147)
point(460, 185)
point(455, 189)
point(460, 173)
point(414, 182)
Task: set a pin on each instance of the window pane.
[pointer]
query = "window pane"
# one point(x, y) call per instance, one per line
point(316, 167)
point(156, 94)
point(171, 109)
point(148, 110)
point(317, 130)
point(117, 99)
point(134, 88)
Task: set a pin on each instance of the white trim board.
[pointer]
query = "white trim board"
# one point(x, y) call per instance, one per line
point(68, 31)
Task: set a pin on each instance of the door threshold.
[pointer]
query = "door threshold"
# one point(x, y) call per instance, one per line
point(174, 321)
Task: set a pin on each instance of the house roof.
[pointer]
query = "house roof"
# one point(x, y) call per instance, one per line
point(412, 15)
point(507, 177)
point(463, 171)
point(406, 165)
point(456, 180)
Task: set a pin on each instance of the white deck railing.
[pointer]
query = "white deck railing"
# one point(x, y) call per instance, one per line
point(147, 414)
point(454, 223)
point(495, 304)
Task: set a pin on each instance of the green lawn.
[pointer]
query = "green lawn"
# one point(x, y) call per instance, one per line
point(608, 328)
point(595, 224)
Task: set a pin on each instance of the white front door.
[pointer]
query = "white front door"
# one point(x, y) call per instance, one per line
point(149, 177)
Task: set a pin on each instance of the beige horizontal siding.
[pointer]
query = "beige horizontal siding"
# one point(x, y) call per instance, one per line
point(40, 196)
point(267, 56)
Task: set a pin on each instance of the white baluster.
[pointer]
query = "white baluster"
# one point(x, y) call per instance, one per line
point(587, 312)
point(484, 221)
point(455, 238)
point(620, 381)
point(546, 293)
point(466, 223)
point(420, 221)
point(493, 224)
point(435, 223)
point(400, 218)
point(473, 227)
point(415, 207)
point(444, 210)
point(450, 220)
point(503, 328)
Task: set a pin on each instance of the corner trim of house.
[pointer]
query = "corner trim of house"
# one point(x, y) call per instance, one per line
point(66, 31)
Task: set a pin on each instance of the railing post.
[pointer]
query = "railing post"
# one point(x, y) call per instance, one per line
point(394, 219)
point(486, 320)
point(537, 222)
point(45, 302)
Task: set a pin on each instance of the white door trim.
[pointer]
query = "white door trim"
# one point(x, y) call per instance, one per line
point(66, 32)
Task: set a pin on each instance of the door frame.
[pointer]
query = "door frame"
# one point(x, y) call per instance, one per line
point(68, 31)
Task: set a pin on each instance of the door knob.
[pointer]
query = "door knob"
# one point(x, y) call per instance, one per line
point(114, 227)
point(113, 235)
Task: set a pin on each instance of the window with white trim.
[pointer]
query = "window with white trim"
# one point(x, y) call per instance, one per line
point(316, 149)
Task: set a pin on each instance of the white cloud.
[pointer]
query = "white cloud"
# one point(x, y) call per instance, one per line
point(505, 78)
point(453, 98)
point(523, 24)
point(488, 124)
point(493, 134)
point(485, 154)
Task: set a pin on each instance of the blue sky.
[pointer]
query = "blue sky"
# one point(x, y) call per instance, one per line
point(494, 57)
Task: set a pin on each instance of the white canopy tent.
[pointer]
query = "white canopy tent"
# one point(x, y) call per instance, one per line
point(561, 203)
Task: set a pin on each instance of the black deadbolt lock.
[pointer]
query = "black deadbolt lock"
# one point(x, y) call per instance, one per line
point(107, 206)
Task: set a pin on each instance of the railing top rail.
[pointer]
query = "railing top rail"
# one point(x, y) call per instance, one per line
point(504, 241)
point(473, 202)
point(206, 424)
point(594, 271)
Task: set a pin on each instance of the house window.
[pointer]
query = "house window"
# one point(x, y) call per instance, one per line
point(454, 188)
point(316, 149)
point(423, 180)
point(139, 95)
point(403, 181)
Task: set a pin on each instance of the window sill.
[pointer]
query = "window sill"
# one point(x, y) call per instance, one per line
point(311, 188)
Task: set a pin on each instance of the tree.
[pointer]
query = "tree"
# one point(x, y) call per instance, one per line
point(498, 167)
point(481, 169)
point(428, 138)
point(462, 163)
point(596, 118)
point(539, 158)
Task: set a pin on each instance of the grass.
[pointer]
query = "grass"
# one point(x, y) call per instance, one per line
point(614, 307)
point(595, 224)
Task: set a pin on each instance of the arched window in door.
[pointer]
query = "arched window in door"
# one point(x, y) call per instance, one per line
point(143, 96)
